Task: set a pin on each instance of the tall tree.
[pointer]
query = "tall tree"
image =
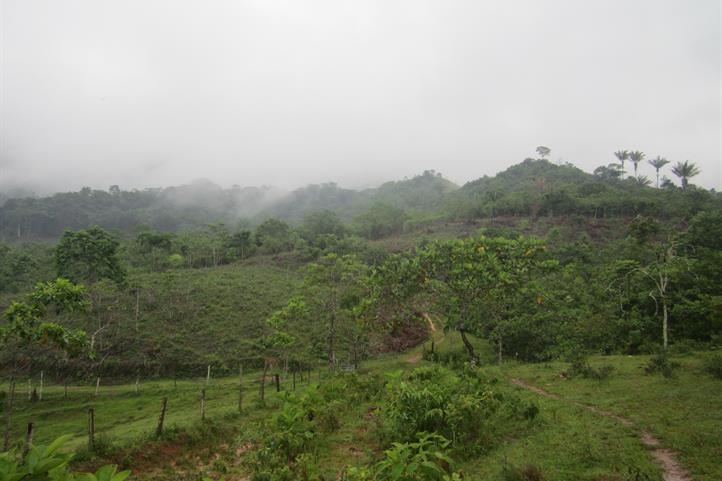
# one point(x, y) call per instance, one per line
point(658, 162)
point(339, 279)
point(543, 151)
point(684, 171)
point(636, 157)
point(621, 156)
point(467, 277)
point(89, 255)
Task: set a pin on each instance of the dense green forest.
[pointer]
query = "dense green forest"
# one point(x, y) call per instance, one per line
point(542, 263)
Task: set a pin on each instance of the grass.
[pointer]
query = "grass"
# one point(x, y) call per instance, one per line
point(565, 442)
point(685, 412)
point(123, 417)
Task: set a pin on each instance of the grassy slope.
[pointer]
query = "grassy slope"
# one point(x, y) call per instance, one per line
point(566, 442)
point(685, 412)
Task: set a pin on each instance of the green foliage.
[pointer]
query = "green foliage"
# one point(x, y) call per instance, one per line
point(421, 460)
point(89, 255)
point(713, 365)
point(45, 463)
point(28, 324)
point(464, 409)
point(379, 221)
point(661, 364)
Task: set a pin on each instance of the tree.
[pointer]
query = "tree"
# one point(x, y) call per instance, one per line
point(380, 220)
point(643, 181)
point(339, 279)
point(684, 171)
point(658, 162)
point(660, 271)
point(469, 277)
point(543, 151)
point(242, 243)
point(89, 255)
point(154, 244)
point(274, 236)
point(636, 157)
point(609, 172)
point(621, 156)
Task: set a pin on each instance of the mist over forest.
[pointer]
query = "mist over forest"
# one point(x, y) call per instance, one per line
point(335, 240)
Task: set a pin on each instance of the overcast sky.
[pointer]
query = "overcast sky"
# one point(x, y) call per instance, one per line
point(155, 93)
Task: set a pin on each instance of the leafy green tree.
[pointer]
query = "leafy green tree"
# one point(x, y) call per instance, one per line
point(89, 255)
point(242, 243)
point(658, 162)
point(685, 171)
point(609, 172)
point(274, 236)
point(155, 245)
point(466, 276)
point(27, 320)
point(321, 224)
point(339, 279)
point(636, 157)
point(543, 151)
point(380, 220)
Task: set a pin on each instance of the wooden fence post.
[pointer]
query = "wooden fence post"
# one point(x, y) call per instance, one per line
point(208, 375)
point(203, 404)
point(240, 389)
point(161, 419)
point(278, 383)
point(97, 385)
point(40, 391)
point(28, 440)
point(8, 416)
point(91, 429)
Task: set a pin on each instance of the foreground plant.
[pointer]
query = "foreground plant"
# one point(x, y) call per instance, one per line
point(45, 463)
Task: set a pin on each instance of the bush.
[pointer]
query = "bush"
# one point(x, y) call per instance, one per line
point(461, 407)
point(45, 463)
point(580, 368)
point(424, 459)
point(660, 363)
point(713, 366)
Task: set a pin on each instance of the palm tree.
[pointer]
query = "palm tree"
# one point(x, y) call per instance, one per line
point(636, 157)
point(643, 181)
point(621, 156)
point(685, 171)
point(658, 163)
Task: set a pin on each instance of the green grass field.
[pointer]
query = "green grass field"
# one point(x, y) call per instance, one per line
point(566, 442)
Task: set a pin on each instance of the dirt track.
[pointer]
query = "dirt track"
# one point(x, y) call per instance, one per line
point(667, 458)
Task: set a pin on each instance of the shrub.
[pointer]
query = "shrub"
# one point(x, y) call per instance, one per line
point(44, 463)
point(424, 459)
point(660, 363)
point(713, 366)
point(580, 368)
point(463, 408)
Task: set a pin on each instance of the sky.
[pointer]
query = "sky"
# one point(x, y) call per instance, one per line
point(144, 93)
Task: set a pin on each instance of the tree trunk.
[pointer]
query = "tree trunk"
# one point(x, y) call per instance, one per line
point(664, 324)
point(262, 390)
point(469, 348)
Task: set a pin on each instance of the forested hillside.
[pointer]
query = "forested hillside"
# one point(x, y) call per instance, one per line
point(542, 263)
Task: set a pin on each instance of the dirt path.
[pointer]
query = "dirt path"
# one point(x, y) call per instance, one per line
point(417, 356)
point(667, 458)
